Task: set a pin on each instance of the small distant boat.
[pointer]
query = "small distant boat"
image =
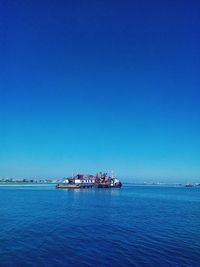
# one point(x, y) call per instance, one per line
point(80, 181)
point(192, 185)
point(189, 185)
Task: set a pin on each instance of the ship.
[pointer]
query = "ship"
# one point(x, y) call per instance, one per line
point(81, 181)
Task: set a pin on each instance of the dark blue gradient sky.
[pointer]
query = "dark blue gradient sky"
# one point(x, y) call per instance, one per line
point(100, 85)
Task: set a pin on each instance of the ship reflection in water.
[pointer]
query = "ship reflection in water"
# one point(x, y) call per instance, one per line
point(100, 180)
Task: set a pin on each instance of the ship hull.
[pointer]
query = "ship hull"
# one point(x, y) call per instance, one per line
point(119, 185)
point(73, 186)
point(84, 186)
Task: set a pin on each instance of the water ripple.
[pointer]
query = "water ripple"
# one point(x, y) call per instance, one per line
point(134, 226)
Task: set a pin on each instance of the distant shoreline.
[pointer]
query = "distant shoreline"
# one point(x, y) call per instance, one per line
point(26, 184)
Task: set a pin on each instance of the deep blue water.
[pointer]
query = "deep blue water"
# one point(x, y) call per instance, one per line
point(131, 226)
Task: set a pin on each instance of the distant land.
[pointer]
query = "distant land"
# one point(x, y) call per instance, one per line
point(9, 181)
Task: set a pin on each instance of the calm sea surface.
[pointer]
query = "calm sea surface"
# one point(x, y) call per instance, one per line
point(131, 226)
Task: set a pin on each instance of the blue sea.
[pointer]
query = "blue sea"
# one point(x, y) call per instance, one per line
point(131, 226)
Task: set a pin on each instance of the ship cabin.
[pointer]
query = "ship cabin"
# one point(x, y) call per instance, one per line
point(81, 179)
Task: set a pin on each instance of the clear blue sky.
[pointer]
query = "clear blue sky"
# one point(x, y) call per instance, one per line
point(100, 85)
